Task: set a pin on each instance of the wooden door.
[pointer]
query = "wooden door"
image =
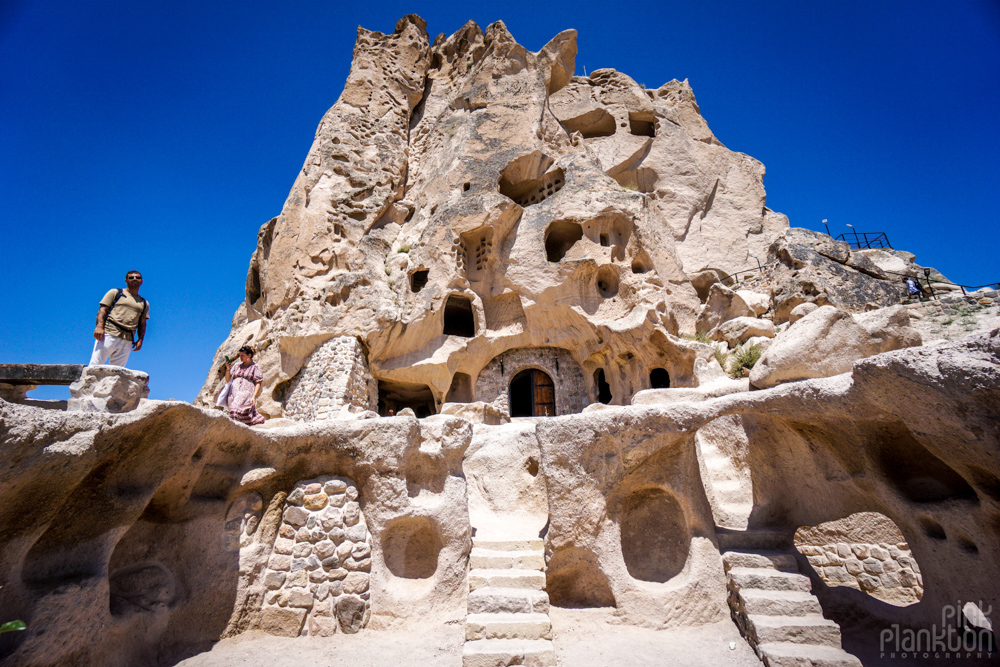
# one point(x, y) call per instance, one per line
point(543, 394)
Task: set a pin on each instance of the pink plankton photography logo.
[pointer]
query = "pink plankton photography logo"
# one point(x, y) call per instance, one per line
point(966, 632)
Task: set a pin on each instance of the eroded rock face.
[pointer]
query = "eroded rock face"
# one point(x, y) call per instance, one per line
point(167, 527)
point(467, 198)
point(812, 267)
point(108, 389)
point(828, 341)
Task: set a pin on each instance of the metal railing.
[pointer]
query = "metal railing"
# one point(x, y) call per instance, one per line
point(925, 280)
point(930, 282)
point(866, 240)
point(735, 277)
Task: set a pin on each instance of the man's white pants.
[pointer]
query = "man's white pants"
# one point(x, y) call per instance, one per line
point(112, 350)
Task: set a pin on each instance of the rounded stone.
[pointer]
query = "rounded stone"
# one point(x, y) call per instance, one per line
point(295, 497)
point(325, 549)
point(335, 486)
point(356, 582)
point(295, 516)
point(316, 501)
point(357, 533)
point(352, 512)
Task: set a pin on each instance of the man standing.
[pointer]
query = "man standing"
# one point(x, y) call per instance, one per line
point(122, 314)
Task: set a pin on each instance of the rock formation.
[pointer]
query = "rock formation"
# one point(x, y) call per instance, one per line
point(508, 368)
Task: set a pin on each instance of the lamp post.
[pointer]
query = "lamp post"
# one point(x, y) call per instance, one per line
point(758, 263)
point(857, 243)
point(927, 277)
point(827, 228)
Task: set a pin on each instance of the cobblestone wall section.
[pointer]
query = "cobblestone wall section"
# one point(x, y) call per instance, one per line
point(335, 376)
point(493, 382)
point(318, 574)
point(888, 572)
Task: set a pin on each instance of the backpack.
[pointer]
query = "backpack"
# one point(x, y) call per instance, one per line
point(118, 295)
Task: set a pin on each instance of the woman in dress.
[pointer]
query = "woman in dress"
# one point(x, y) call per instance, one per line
point(247, 380)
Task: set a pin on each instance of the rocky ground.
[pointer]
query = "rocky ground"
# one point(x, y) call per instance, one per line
point(583, 638)
point(954, 317)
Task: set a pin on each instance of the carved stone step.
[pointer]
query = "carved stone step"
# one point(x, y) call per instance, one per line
point(786, 654)
point(771, 580)
point(519, 560)
point(777, 560)
point(753, 540)
point(534, 544)
point(530, 579)
point(509, 600)
point(503, 652)
point(779, 603)
point(811, 629)
point(508, 626)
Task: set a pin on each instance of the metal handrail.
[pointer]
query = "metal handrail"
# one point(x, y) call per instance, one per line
point(866, 240)
point(758, 269)
point(929, 281)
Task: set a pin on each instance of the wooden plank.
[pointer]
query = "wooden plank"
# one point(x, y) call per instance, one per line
point(38, 374)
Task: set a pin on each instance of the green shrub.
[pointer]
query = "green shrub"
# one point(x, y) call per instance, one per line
point(743, 359)
point(722, 358)
point(699, 337)
point(404, 248)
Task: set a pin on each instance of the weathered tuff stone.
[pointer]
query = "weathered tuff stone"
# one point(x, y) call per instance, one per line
point(828, 341)
point(813, 267)
point(548, 228)
point(108, 389)
point(740, 329)
point(571, 251)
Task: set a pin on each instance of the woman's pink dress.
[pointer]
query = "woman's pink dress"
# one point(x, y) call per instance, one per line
point(245, 379)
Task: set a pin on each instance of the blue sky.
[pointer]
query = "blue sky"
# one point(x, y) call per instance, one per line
point(160, 135)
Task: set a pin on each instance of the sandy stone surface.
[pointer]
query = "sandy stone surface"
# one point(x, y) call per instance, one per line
point(443, 646)
point(588, 638)
point(583, 638)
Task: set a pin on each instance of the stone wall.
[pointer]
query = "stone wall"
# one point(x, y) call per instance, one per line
point(335, 376)
point(317, 577)
point(493, 382)
point(888, 572)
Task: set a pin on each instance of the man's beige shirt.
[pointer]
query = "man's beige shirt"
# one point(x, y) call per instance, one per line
point(124, 318)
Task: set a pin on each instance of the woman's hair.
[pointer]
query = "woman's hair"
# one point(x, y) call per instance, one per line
point(247, 350)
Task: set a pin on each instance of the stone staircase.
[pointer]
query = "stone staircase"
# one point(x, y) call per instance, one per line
point(773, 605)
point(729, 492)
point(508, 616)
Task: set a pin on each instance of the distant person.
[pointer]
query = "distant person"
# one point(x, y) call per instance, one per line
point(121, 323)
point(913, 288)
point(248, 380)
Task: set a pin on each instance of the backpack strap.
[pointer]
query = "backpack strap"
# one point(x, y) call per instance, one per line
point(118, 295)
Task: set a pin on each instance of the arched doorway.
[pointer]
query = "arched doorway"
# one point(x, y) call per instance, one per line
point(532, 394)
